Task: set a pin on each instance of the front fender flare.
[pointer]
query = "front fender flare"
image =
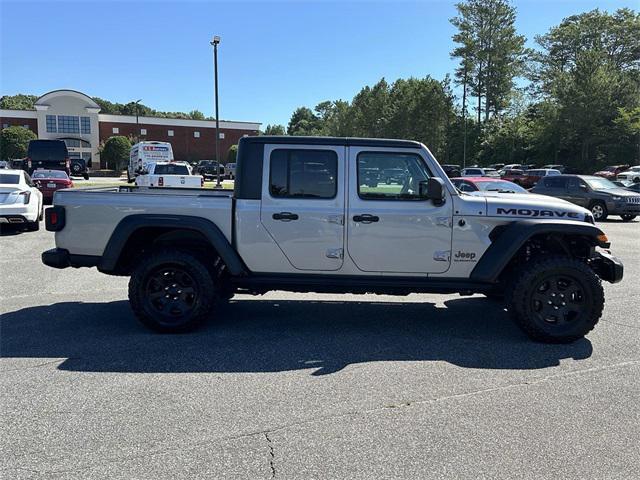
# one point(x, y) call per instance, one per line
point(514, 235)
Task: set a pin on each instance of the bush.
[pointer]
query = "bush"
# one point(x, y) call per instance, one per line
point(232, 154)
point(115, 152)
point(14, 142)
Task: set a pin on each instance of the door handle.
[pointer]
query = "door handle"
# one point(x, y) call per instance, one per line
point(285, 216)
point(365, 218)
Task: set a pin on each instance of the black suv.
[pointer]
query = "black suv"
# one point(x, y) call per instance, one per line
point(48, 155)
point(601, 196)
point(207, 168)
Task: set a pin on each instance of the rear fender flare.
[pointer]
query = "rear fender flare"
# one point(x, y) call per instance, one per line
point(208, 229)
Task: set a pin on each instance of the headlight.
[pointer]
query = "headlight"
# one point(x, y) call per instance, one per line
point(616, 199)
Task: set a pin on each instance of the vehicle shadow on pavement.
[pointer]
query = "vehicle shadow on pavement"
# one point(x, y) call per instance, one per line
point(271, 336)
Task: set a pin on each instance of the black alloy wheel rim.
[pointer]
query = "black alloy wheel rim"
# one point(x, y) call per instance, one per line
point(171, 294)
point(76, 168)
point(558, 301)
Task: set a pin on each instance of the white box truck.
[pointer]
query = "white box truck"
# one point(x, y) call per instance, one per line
point(143, 153)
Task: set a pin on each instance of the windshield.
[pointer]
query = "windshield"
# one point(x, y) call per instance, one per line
point(598, 183)
point(51, 174)
point(7, 179)
point(502, 187)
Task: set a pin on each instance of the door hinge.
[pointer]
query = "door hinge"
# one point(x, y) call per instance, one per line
point(335, 253)
point(338, 219)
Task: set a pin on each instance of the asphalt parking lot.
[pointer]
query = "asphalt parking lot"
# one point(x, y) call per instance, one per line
point(308, 386)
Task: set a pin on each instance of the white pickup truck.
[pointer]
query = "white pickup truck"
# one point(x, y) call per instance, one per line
point(307, 216)
point(169, 174)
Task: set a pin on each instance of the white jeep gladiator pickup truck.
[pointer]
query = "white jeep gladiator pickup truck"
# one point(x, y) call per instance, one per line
point(320, 215)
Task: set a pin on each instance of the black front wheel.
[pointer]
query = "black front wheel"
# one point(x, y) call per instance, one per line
point(599, 211)
point(556, 299)
point(171, 291)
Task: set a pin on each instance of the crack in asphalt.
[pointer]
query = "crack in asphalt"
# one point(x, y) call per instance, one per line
point(271, 455)
point(265, 433)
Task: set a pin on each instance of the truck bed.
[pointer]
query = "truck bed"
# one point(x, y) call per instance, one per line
point(92, 213)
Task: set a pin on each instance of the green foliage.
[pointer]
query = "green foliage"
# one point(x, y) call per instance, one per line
point(196, 115)
point(232, 154)
point(274, 130)
point(18, 102)
point(115, 152)
point(14, 142)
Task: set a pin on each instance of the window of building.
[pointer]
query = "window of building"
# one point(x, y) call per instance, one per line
point(85, 125)
point(115, 130)
point(170, 133)
point(68, 124)
point(25, 126)
point(196, 134)
point(5, 125)
point(390, 176)
point(221, 135)
point(143, 131)
point(52, 126)
point(303, 173)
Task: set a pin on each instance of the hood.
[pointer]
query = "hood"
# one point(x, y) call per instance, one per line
point(618, 192)
point(528, 205)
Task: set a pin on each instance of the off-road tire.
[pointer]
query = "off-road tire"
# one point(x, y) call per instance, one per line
point(627, 218)
point(522, 301)
point(599, 211)
point(195, 276)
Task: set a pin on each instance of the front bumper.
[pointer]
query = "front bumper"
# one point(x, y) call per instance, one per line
point(607, 266)
point(61, 258)
point(625, 209)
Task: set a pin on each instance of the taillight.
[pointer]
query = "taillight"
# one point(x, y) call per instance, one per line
point(201, 182)
point(54, 218)
point(28, 163)
point(67, 163)
point(161, 182)
point(25, 197)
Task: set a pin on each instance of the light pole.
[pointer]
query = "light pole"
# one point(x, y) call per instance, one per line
point(215, 42)
point(137, 102)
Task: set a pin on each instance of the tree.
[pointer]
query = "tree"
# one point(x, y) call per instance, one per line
point(196, 115)
point(14, 142)
point(491, 52)
point(274, 130)
point(115, 152)
point(18, 102)
point(589, 67)
point(232, 154)
point(303, 122)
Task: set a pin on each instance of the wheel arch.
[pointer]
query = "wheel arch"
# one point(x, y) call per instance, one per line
point(511, 239)
point(136, 233)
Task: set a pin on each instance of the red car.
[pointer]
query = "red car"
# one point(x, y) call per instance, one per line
point(531, 177)
point(486, 184)
point(48, 181)
point(612, 171)
point(513, 175)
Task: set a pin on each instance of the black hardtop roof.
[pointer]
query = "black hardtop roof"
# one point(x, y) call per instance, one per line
point(347, 141)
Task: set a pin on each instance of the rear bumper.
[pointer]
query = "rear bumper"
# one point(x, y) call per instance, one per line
point(26, 212)
point(607, 266)
point(61, 258)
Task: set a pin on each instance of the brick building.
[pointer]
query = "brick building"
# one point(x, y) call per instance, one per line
point(75, 118)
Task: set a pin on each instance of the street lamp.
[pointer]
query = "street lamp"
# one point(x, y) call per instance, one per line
point(215, 42)
point(137, 102)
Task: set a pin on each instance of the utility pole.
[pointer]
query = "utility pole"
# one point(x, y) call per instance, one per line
point(215, 42)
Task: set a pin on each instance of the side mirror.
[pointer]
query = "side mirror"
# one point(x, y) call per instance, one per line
point(432, 189)
point(583, 188)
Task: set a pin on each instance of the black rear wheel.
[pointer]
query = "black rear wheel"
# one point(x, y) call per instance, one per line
point(557, 299)
point(171, 291)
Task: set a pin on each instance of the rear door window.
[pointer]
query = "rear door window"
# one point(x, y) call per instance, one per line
point(555, 182)
point(303, 173)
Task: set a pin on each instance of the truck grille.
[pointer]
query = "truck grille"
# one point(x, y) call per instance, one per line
point(633, 199)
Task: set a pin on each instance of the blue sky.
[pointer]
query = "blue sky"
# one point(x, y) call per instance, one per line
point(274, 56)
